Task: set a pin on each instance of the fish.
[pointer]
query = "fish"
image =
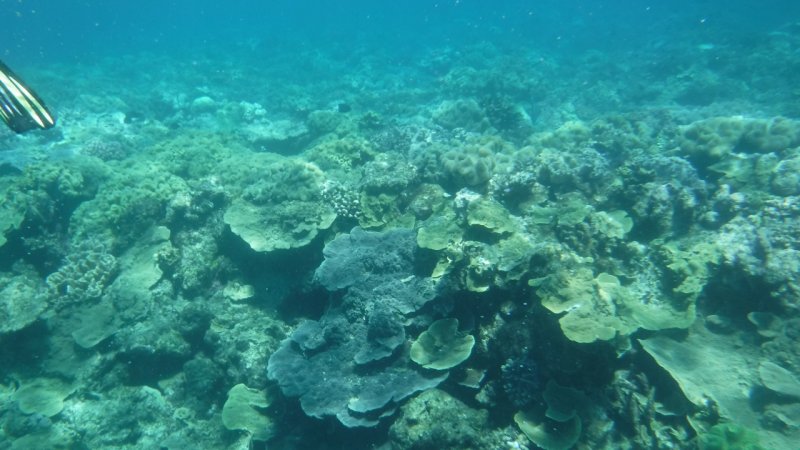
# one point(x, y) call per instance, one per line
point(20, 107)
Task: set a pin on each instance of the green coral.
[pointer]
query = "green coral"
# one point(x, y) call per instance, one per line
point(785, 177)
point(442, 346)
point(689, 270)
point(729, 436)
point(440, 230)
point(470, 165)
point(326, 121)
point(572, 209)
point(127, 205)
point(388, 173)
point(43, 396)
point(496, 264)
point(498, 259)
point(491, 215)
point(435, 420)
point(600, 308)
point(11, 217)
point(95, 324)
point(573, 134)
point(285, 209)
point(462, 113)
point(712, 140)
point(746, 171)
point(201, 154)
point(548, 434)
point(340, 155)
point(45, 193)
point(22, 300)
point(130, 291)
point(613, 224)
point(382, 211)
point(243, 411)
point(559, 426)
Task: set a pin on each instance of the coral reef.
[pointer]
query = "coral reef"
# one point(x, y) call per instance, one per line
point(435, 419)
point(520, 380)
point(468, 167)
point(241, 412)
point(22, 299)
point(729, 436)
point(327, 363)
point(284, 209)
point(442, 346)
point(445, 240)
point(85, 274)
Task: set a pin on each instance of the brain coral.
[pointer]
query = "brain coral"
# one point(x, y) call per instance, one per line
point(442, 346)
point(466, 167)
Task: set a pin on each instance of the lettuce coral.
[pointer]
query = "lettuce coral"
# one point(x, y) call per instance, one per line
point(559, 426)
point(442, 346)
point(600, 308)
point(242, 411)
point(284, 209)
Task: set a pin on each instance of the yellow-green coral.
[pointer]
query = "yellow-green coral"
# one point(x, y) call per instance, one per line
point(11, 217)
point(243, 411)
point(442, 346)
point(285, 210)
point(689, 269)
point(440, 230)
point(559, 426)
point(340, 154)
point(22, 299)
point(490, 215)
point(547, 433)
point(711, 140)
point(600, 308)
point(613, 224)
point(127, 205)
point(383, 210)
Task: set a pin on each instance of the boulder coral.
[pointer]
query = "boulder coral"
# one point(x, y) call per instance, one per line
point(711, 140)
point(468, 167)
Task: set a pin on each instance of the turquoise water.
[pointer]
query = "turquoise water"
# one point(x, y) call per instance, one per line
point(384, 225)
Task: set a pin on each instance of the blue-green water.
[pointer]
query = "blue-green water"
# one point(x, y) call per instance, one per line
point(386, 225)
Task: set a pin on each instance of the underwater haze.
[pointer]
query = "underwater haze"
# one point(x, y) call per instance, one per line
point(452, 224)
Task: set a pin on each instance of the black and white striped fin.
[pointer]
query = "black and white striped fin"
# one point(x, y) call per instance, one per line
point(20, 108)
